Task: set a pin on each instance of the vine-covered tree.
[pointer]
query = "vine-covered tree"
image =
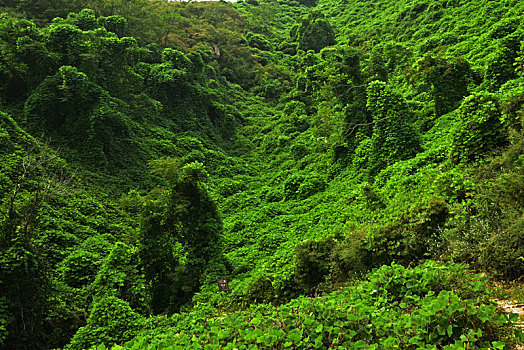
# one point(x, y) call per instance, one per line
point(446, 79)
point(479, 129)
point(313, 32)
point(24, 272)
point(179, 235)
point(393, 137)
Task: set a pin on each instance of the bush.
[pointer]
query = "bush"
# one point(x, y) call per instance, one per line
point(79, 268)
point(398, 283)
point(312, 263)
point(261, 291)
point(111, 321)
point(350, 258)
point(315, 33)
point(455, 186)
point(120, 275)
point(259, 41)
point(116, 24)
point(504, 252)
point(413, 237)
point(301, 186)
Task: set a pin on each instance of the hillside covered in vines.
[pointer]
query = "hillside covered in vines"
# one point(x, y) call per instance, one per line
point(354, 169)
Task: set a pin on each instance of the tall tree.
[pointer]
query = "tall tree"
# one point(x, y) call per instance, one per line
point(393, 138)
point(179, 235)
point(24, 275)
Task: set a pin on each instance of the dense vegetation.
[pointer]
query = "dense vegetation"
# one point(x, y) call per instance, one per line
point(344, 164)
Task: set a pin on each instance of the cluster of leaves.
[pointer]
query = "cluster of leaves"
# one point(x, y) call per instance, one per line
point(430, 305)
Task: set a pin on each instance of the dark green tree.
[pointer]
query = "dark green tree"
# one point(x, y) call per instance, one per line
point(114, 24)
point(24, 59)
point(85, 19)
point(314, 32)
point(501, 65)
point(335, 75)
point(179, 235)
point(66, 42)
point(24, 272)
point(45, 10)
point(78, 114)
point(312, 263)
point(376, 66)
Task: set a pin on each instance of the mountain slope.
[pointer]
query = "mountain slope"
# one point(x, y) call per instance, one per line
point(291, 147)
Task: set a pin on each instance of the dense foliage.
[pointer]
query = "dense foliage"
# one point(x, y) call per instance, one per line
point(394, 308)
point(296, 148)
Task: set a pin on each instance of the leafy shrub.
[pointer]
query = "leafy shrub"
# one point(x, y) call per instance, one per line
point(302, 186)
point(503, 254)
point(415, 235)
point(259, 41)
point(400, 284)
point(455, 186)
point(176, 58)
point(294, 107)
point(311, 186)
point(291, 186)
point(193, 156)
point(294, 123)
point(350, 258)
point(111, 321)
point(70, 108)
point(85, 19)
point(65, 41)
point(371, 198)
point(116, 24)
point(79, 268)
point(312, 263)
point(315, 33)
point(261, 291)
point(120, 275)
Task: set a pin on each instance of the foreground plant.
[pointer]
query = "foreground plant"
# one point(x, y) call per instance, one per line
point(431, 306)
